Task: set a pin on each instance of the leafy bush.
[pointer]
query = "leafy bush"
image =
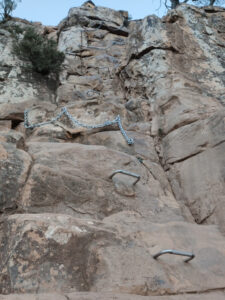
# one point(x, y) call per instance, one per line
point(39, 52)
point(14, 30)
point(6, 8)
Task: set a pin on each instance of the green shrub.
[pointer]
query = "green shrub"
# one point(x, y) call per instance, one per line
point(14, 30)
point(39, 52)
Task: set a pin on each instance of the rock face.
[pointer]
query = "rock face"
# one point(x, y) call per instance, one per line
point(72, 227)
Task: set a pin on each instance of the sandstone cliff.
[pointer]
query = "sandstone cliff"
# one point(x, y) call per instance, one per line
point(69, 228)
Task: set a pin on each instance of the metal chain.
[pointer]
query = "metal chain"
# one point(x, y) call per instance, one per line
point(75, 122)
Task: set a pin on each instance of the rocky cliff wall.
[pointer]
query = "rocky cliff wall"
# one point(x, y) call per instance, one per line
point(69, 225)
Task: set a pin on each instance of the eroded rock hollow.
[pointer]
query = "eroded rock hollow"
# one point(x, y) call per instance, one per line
point(71, 228)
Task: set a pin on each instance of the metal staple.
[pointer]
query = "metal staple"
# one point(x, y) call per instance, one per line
point(175, 252)
point(126, 173)
point(75, 122)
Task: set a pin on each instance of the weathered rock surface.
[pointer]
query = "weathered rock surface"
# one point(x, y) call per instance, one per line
point(5, 125)
point(181, 67)
point(76, 178)
point(14, 169)
point(68, 229)
point(48, 252)
point(110, 296)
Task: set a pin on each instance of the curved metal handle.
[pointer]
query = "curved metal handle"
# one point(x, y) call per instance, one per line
point(175, 252)
point(126, 173)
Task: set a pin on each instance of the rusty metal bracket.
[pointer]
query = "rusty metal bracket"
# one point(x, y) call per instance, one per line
point(175, 252)
point(126, 173)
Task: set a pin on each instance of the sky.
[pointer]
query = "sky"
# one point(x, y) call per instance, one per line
point(51, 12)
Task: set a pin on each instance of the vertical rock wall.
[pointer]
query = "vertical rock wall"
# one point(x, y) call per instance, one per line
point(71, 227)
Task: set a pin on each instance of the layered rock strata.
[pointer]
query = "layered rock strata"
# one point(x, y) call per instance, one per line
point(69, 230)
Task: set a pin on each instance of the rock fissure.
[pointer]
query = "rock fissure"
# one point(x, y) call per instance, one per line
point(203, 147)
point(115, 30)
point(184, 123)
point(220, 289)
point(184, 158)
point(204, 220)
point(151, 48)
point(78, 211)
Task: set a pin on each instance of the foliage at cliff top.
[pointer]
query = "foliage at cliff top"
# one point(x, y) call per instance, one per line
point(6, 8)
point(175, 3)
point(39, 52)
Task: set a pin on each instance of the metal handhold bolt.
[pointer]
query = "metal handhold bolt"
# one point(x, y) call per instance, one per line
point(175, 252)
point(126, 173)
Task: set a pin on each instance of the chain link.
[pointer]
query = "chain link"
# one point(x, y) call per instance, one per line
point(76, 123)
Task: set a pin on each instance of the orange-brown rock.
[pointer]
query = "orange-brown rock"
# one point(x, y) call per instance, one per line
point(72, 229)
point(55, 252)
point(76, 178)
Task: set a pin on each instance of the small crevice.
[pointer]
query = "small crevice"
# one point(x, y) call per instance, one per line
point(210, 10)
point(145, 51)
point(219, 143)
point(156, 179)
point(113, 30)
point(9, 210)
point(219, 289)
point(94, 18)
point(15, 123)
point(220, 45)
point(99, 19)
point(207, 291)
point(148, 292)
point(185, 158)
point(165, 167)
point(184, 123)
point(78, 211)
point(203, 148)
point(149, 49)
point(207, 217)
